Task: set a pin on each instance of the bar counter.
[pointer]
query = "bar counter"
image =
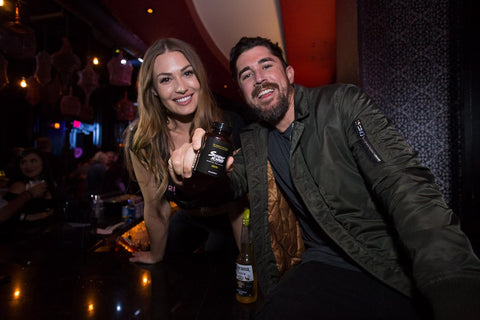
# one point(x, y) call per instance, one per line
point(64, 271)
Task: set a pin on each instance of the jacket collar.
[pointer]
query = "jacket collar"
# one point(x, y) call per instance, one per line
point(301, 102)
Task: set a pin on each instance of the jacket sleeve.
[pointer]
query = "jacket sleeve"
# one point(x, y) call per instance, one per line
point(238, 178)
point(444, 266)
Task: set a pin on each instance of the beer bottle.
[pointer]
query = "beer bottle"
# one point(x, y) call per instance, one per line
point(245, 271)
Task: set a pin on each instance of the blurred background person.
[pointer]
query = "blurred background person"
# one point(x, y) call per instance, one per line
point(96, 174)
point(115, 175)
point(32, 196)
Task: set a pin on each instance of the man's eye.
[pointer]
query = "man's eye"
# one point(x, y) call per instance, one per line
point(266, 66)
point(246, 76)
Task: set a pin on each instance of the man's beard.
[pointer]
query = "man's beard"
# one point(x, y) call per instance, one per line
point(274, 114)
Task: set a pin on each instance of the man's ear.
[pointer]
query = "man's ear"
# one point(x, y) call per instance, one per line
point(290, 73)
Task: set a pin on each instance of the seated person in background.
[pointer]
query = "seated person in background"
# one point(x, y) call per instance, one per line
point(44, 145)
point(96, 174)
point(114, 175)
point(31, 197)
point(174, 98)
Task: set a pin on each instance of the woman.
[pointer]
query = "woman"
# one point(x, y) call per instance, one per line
point(31, 197)
point(173, 99)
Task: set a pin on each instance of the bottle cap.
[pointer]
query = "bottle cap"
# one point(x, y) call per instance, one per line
point(246, 217)
point(221, 126)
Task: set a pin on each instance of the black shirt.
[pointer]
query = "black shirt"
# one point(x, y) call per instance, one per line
point(318, 246)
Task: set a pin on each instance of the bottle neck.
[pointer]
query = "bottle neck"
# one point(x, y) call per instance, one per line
point(221, 129)
point(245, 238)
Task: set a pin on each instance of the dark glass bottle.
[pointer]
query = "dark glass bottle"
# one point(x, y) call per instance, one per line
point(245, 271)
point(217, 146)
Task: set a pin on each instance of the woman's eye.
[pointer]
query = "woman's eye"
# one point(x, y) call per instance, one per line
point(189, 73)
point(164, 80)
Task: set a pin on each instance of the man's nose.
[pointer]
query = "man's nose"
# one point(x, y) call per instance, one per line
point(259, 80)
point(259, 77)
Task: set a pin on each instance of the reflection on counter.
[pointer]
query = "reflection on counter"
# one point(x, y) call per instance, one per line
point(80, 281)
point(136, 238)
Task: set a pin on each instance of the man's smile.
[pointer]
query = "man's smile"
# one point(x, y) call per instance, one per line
point(264, 90)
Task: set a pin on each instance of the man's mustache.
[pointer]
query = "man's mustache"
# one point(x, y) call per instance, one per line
point(268, 85)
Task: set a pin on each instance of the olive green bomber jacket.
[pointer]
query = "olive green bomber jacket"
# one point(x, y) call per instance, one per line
point(366, 188)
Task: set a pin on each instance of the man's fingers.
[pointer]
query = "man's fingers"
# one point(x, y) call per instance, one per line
point(229, 165)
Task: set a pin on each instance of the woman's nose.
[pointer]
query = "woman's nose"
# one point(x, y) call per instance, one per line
point(181, 87)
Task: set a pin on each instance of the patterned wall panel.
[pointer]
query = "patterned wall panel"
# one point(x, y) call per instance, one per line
point(408, 66)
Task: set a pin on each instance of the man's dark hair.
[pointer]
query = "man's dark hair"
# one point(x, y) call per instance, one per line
point(247, 43)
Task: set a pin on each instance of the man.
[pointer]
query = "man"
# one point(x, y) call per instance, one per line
point(379, 241)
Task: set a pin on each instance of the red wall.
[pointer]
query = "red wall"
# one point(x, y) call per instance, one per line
point(309, 30)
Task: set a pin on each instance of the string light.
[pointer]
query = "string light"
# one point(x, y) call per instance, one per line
point(23, 83)
point(95, 61)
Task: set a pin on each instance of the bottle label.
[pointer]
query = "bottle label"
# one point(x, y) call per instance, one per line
point(213, 157)
point(245, 280)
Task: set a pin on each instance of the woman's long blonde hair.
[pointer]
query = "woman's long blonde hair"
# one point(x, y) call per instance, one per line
point(148, 137)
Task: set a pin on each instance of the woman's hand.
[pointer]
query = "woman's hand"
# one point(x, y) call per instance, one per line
point(182, 159)
point(143, 257)
point(39, 190)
